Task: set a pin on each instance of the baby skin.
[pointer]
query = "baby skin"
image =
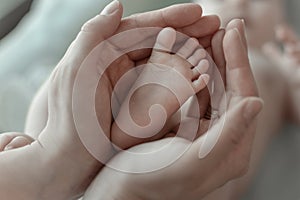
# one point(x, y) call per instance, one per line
point(165, 83)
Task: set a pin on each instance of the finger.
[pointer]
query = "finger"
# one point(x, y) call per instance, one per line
point(219, 69)
point(17, 142)
point(166, 17)
point(239, 24)
point(193, 26)
point(226, 136)
point(218, 53)
point(240, 80)
point(4, 140)
point(97, 30)
point(207, 25)
point(205, 41)
point(272, 51)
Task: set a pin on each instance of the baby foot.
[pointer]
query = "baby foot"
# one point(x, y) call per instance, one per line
point(10, 141)
point(163, 86)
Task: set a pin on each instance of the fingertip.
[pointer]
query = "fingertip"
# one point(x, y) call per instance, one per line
point(231, 35)
point(194, 8)
point(111, 8)
point(232, 42)
point(8, 147)
point(218, 36)
point(236, 23)
point(17, 142)
point(240, 25)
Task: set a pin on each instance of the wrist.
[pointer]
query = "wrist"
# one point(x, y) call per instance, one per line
point(69, 166)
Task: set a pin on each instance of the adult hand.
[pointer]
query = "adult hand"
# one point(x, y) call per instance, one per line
point(91, 36)
point(196, 174)
point(53, 112)
point(191, 24)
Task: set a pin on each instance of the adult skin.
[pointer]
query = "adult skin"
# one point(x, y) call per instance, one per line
point(190, 177)
point(192, 25)
point(55, 155)
point(59, 146)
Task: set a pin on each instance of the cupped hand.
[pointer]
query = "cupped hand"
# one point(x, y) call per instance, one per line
point(192, 25)
point(52, 113)
point(221, 154)
point(93, 34)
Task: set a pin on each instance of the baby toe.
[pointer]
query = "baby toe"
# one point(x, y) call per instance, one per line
point(197, 56)
point(200, 83)
point(165, 40)
point(201, 68)
point(188, 48)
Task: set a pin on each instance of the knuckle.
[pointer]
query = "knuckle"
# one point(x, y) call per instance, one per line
point(86, 27)
point(89, 26)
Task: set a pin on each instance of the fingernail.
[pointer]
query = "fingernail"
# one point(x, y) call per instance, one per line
point(237, 30)
point(234, 32)
point(244, 24)
point(253, 108)
point(111, 8)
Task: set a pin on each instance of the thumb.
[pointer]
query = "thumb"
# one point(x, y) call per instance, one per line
point(228, 133)
point(97, 29)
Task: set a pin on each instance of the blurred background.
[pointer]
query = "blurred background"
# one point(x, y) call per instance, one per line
point(34, 35)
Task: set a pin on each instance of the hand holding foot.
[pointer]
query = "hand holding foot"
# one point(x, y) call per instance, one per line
point(167, 80)
point(227, 160)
